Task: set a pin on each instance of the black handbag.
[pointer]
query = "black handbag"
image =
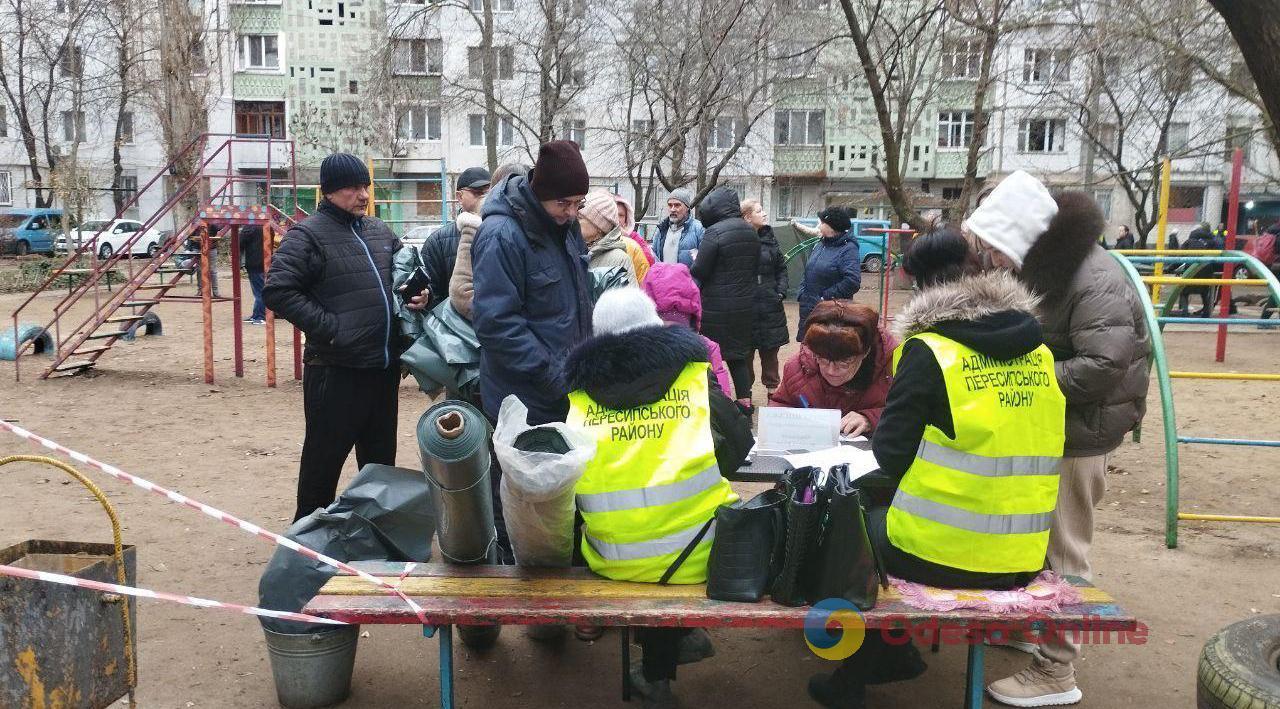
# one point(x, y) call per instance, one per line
point(743, 549)
point(844, 565)
point(803, 520)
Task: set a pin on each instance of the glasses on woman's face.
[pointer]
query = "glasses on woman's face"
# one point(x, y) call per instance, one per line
point(841, 364)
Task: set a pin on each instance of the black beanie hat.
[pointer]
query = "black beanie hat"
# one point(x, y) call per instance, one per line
point(837, 218)
point(559, 171)
point(342, 170)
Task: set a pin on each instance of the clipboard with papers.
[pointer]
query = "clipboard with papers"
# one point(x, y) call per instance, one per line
point(794, 438)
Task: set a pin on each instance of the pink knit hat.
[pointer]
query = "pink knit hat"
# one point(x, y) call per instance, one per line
point(674, 294)
point(600, 210)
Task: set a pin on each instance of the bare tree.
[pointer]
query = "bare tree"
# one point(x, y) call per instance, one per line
point(896, 43)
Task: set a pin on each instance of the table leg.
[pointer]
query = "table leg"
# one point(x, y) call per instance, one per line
point(975, 677)
point(625, 634)
point(446, 667)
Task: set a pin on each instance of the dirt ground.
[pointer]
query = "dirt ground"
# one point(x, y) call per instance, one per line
point(236, 446)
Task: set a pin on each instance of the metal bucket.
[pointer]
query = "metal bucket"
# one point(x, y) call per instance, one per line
point(312, 670)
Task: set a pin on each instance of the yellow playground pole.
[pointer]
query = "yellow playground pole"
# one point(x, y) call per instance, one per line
point(1162, 228)
point(373, 192)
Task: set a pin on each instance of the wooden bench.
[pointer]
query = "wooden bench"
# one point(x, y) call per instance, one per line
point(508, 595)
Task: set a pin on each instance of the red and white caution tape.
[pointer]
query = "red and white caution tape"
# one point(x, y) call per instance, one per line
point(159, 595)
point(213, 512)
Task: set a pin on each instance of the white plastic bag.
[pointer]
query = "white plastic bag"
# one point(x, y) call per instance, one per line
point(537, 487)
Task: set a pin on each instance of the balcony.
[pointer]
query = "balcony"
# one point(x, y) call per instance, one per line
point(798, 161)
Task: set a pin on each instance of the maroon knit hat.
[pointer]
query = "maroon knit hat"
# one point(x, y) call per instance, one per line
point(559, 171)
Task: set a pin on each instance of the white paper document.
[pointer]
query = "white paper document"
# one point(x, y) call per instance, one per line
point(785, 430)
point(860, 461)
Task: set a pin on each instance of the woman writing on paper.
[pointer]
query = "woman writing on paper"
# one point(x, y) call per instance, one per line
point(971, 436)
point(844, 364)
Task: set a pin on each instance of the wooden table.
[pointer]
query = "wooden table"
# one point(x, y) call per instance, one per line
point(509, 595)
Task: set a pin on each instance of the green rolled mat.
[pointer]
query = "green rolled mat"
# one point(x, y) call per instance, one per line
point(453, 441)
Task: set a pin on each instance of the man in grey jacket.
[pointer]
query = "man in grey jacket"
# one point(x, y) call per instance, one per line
point(1093, 322)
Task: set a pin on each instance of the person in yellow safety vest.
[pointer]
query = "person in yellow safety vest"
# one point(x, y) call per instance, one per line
point(972, 435)
point(664, 434)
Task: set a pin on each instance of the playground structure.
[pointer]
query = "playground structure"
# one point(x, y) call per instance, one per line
point(1196, 262)
point(207, 208)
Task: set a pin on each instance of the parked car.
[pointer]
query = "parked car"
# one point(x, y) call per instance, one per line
point(29, 231)
point(417, 236)
point(871, 245)
point(112, 238)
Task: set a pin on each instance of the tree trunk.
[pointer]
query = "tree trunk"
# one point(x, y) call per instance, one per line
point(981, 119)
point(488, 81)
point(1255, 24)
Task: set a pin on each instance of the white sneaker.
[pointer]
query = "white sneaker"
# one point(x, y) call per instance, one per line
point(1038, 686)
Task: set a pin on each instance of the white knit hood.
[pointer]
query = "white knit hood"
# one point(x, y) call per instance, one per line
point(1014, 216)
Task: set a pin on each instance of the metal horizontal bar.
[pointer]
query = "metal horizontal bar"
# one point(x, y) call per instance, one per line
point(1176, 252)
point(1176, 281)
point(1187, 259)
point(1229, 441)
point(1217, 321)
point(1227, 518)
point(1235, 376)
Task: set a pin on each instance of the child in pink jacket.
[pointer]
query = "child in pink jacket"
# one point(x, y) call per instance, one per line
point(679, 302)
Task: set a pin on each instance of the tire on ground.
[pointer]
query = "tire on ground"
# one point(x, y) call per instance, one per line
point(1238, 667)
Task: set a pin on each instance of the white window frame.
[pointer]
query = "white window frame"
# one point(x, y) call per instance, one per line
point(806, 116)
point(574, 129)
point(504, 57)
point(499, 6)
point(431, 119)
point(67, 128)
point(1055, 137)
point(403, 63)
point(724, 131)
point(962, 58)
point(1179, 143)
point(1042, 65)
point(955, 130)
point(506, 131)
point(132, 136)
point(6, 188)
point(244, 53)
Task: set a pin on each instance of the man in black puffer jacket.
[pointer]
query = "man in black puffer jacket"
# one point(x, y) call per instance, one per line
point(725, 269)
point(331, 277)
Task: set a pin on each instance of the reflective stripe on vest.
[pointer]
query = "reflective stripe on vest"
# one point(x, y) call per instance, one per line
point(651, 496)
point(985, 465)
point(670, 544)
point(983, 499)
point(652, 484)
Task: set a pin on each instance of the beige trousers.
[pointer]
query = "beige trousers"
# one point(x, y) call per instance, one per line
point(1081, 484)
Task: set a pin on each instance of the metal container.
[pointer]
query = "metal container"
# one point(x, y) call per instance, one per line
point(62, 646)
point(313, 670)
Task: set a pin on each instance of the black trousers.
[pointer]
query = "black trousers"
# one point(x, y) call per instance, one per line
point(743, 376)
point(345, 408)
point(661, 650)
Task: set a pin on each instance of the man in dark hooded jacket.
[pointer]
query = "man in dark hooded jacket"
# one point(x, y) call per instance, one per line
point(532, 289)
point(726, 273)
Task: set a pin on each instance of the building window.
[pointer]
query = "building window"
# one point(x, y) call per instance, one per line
point(961, 58)
point(571, 73)
point(4, 122)
point(418, 56)
point(785, 207)
point(1107, 137)
point(260, 118)
point(128, 189)
point(498, 5)
point(72, 64)
point(259, 51)
point(126, 129)
point(1239, 135)
point(1103, 198)
point(798, 127)
point(795, 61)
point(1179, 137)
point(574, 129)
point(199, 60)
point(724, 133)
point(1042, 135)
point(420, 123)
point(1044, 65)
point(6, 194)
point(951, 194)
point(1186, 204)
point(955, 129)
point(73, 126)
point(506, 131)
point(505, 59)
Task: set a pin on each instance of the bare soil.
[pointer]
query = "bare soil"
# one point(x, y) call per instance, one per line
point(236, 445)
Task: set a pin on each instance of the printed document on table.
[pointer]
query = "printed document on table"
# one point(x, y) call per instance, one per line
point(785, 430)
point(860, 461)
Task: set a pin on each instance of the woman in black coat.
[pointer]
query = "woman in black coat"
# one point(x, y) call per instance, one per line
point(725, 267)
point(769, 328)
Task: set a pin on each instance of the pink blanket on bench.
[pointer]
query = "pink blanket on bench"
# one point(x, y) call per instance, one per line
point(1046, 594)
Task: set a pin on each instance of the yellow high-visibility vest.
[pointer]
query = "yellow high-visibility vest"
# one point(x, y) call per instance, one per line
point(653, 483)
point(984, 500)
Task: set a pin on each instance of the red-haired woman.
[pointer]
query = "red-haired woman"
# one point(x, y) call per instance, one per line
point(844, 364)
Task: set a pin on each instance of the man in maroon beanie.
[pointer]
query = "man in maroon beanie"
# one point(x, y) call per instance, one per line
point(532, 300)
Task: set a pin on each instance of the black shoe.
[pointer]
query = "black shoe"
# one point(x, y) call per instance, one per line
point(695, 647)
point(656, 694)
point(898, 663)
point(479, 637)
point(829, 691)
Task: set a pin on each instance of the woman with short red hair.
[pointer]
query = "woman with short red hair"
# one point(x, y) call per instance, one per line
point(844, 364)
